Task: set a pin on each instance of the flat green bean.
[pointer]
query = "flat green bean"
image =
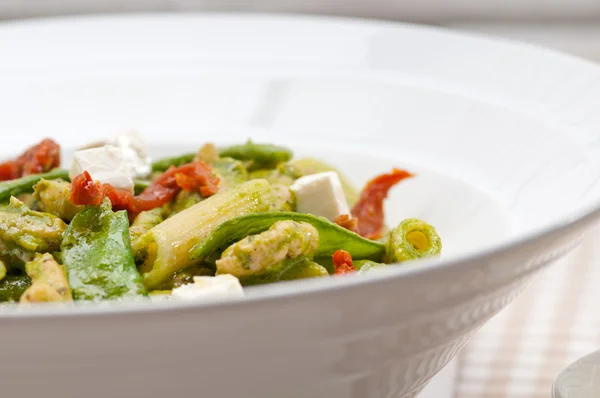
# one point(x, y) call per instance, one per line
point(25, 184)
point(261, 156)
point(165, 163)
point(332, 237)
point(96, 252)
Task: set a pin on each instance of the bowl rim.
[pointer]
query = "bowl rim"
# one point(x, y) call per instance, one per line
point(577, 218)
point(590, 358)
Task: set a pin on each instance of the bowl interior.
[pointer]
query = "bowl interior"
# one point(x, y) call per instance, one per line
point(364, 97)
point(486, 173)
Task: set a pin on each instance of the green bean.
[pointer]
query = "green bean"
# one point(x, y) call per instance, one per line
point(412, 239)
point(332, 237)
point(164, 164)
point(25, 184)
point(97, 253)
point(261, 156)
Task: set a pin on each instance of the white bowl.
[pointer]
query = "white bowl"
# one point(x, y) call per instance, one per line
point(504, 138)
point(581, 379)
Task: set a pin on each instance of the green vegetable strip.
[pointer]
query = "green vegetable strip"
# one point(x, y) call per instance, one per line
point(164, 164)
point(25, 184)
point(262, 156)
point(97, 254)
point(332, 237)
point(12, 287)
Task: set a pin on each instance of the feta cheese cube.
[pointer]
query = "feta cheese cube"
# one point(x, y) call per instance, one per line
point(135, 152)
point(105, 164)
point(210, 288)
point(320, 194)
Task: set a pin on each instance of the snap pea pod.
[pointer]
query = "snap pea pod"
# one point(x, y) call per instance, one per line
point(164, 164)
point(97, 253)
point(12, 287)
point(332, 237)
point(25, 184)
point(412, 239)
point(261, 156)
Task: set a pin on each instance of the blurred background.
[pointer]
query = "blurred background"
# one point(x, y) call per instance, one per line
point(568, 25)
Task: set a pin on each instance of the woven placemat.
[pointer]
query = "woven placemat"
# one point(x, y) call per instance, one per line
point(553, 323)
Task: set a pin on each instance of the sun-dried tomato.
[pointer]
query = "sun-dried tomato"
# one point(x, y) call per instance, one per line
point(43, 157)
point(40, 158)
point(85, 191)
point(195, 176)
point(9, 171)
point(344, 221)
point(369, 209)
point(342, 263)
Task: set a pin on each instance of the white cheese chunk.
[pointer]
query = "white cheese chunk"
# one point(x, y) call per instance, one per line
point(135, 152)
point(105, 164)
point(320, 194)
point(210, 288)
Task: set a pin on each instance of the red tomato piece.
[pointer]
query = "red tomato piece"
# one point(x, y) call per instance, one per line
point(85, 191)
point(369, 209)
point(196, 176)
point(342, 263)
point(40, 158)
